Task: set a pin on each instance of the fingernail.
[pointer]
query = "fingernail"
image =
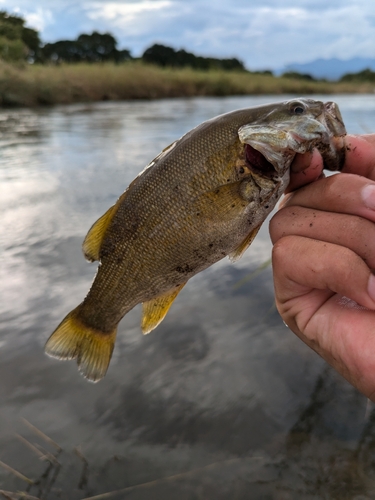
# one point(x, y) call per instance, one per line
point(371, 286)
point(368, 196)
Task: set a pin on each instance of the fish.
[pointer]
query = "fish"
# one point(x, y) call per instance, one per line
point(203, 198)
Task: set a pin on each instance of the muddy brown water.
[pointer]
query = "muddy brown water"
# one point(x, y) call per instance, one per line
point(222, 401)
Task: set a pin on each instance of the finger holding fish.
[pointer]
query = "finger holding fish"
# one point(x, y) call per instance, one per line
point(359, 160)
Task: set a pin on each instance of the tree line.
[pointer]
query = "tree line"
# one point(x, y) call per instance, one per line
point(19, 43)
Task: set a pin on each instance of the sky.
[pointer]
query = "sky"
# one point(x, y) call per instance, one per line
point(266, 34)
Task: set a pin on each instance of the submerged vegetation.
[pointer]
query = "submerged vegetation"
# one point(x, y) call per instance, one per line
point(91, 68)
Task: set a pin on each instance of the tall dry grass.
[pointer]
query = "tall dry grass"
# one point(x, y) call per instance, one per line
point(32, 85)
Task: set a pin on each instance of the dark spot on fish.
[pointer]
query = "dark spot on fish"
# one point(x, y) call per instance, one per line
point(176, 188)
point(119, 260)
point(311, 224)
point(107, 249)
point(211, 245)
point(267, 206)
point(184, 269)
point(228, 180)
point(198, 254)
point(198, 214)
point(233, 205)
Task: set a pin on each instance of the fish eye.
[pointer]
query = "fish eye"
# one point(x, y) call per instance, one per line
point(297, 109)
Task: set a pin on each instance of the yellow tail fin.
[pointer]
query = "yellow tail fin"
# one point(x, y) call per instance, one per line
point(93, 349)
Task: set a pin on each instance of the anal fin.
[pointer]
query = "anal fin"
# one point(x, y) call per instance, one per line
point(241, 249)
point(155, 310)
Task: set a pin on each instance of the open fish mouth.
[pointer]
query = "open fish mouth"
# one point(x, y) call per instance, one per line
point(258, 163)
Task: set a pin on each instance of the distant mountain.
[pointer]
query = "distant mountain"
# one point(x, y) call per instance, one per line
point(331, 69)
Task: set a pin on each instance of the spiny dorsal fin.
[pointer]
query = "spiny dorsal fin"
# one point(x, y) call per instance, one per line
point(94, 238)
point(241, 249)
point(155, 310)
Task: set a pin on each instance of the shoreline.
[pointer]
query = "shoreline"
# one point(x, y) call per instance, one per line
point(42, 85)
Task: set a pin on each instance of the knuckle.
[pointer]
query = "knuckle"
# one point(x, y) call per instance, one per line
point(282, 249)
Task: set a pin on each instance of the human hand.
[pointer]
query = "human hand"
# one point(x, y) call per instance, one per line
point(323, 260)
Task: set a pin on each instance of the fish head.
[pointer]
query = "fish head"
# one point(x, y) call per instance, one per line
point(291, 127)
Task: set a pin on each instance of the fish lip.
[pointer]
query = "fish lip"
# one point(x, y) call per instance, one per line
point(296, 137)
point(332, 119)
point(335, 122)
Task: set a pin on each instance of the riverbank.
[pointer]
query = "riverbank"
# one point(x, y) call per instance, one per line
point(34, 85)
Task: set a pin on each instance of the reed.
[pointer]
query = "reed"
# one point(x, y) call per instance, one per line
point(32, 85)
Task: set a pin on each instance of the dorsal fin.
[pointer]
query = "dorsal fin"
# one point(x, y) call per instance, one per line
point(155, 310)
point(241, 249)
point(94, 238)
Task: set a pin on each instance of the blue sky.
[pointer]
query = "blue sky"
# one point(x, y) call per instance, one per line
point(263, 34)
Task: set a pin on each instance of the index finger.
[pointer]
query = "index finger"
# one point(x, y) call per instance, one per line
point(359, 159)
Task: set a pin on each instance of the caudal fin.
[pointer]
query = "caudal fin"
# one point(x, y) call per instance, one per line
point(93, 349)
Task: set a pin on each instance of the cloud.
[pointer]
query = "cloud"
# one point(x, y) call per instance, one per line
point(39, 19)
point(263, 33)
point(126, 11)
point(128, 16)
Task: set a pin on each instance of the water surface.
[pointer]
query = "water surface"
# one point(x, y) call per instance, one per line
point(222, 394)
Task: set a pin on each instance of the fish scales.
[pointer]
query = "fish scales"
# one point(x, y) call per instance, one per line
point(203, 198)
point(157, 221)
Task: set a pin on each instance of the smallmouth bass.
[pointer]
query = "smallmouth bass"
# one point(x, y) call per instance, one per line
point(201, 199)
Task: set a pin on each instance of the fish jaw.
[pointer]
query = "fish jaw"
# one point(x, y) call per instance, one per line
point(280, 142)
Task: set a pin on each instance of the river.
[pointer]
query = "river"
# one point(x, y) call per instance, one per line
point(222, 401)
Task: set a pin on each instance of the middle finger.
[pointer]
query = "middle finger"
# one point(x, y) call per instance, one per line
point(351, 231)
point(343, 193)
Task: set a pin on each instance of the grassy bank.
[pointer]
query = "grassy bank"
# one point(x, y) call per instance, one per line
point(34, 85)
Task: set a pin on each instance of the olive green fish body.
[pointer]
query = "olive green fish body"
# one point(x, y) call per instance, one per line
point(203, 198)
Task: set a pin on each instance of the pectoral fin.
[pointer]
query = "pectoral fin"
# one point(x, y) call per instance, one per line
point(155, 310)
point(223, 200)
point(239, 251)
